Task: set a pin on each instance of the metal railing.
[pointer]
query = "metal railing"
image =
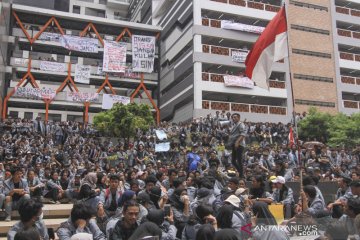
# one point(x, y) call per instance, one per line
point(251, 4)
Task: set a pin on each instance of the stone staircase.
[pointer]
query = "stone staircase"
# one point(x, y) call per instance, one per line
point(53, 216)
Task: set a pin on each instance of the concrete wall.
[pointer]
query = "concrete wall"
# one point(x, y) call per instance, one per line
point(312, 65)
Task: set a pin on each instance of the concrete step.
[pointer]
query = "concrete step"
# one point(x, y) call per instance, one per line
point(50, 223)
point(50, 211)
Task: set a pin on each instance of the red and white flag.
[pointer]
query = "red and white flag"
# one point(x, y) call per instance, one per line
point(291, 137)
point(270, 47)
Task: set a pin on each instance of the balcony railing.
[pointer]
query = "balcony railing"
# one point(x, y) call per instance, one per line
point(351, 104)
point(348, 11)
point(215, 77)
point(251, 4)
point(243, 107)
point(350, 80)
point(220, 50)
point(348, 33)
point(350, 56)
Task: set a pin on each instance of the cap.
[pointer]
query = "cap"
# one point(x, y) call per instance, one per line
point(233, 200)
point(139, 173)
point(279, 179)
point(203, 192)
point(272, 178)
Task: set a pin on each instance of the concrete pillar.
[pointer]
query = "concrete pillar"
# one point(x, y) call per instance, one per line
point(197, 86)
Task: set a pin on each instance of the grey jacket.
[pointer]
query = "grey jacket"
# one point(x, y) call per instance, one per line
point(39, 225)
point(9, 186)
point(67, 230)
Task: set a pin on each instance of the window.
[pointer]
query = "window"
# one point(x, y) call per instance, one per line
point(313, 78)
point(14, 114)
point(309, 29)
point(76, 9)
point(309, 5)
point(314, 103)
point(28, 115)
point(311, 53)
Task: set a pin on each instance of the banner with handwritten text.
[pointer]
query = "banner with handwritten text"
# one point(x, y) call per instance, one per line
point(82, 73)
point(143, 53)
point(114, 56)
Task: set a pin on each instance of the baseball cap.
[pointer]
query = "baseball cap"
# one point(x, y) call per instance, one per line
point(279, 179)
point(233, 200)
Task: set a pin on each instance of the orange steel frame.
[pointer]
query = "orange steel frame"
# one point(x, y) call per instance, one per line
point(68, 80)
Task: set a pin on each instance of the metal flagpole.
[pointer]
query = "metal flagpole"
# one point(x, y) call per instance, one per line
point(293, 100)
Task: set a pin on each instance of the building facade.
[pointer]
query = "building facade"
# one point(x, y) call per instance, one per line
point(34, 31)
point(195, 56)
point(322, 66)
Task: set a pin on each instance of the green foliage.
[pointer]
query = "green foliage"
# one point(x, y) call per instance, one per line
point(123, 120)
point(315, 126)
point(338, 129)
point(345, 130)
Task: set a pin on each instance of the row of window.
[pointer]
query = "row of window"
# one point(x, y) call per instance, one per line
point(313, 78)
point(309, 5)
point(315, 103)
point(311, 53)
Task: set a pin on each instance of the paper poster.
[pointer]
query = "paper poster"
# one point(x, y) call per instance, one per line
point(80, 44)
point(82, 73)
point(52, 66)
point(34, 93)
point(226, 24)
point(114, 56)
point(109, 100)
point(236, 81)
point(82, 97)
point(238, 56)
point(161, 135)
point(49, 36)
point(162, 147)
point(21, 61)
point(143, 53)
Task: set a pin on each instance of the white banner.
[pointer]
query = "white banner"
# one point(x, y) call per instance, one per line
point(161, 135)
point(49, 36)
point(82, 97)
point(143, 53)
point(162, 147)
point(82, 73)
point(225, 24)
point(236, 81)
point(52, 66)
point(21, 61)
point(35, 93)
point(80, 44)
point(109, 100)
point(238, 56)
point(114, 56)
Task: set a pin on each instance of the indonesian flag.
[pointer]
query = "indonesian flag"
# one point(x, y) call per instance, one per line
point(291, 137)
point(270, 47)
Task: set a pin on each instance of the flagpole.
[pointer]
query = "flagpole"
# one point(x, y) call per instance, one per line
point(293, 100)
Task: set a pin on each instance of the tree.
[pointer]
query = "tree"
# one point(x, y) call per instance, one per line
point(123, 120)
point(345, 130)
point(315, 126)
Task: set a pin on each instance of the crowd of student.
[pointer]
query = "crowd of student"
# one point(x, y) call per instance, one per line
point(127, 190)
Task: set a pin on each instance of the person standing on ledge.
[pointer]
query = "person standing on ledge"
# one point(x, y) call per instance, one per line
point(237, 143)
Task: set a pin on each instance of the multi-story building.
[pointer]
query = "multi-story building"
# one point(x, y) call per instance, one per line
point(4, 39)
point(195, 55)
point(35, 28)
point(346, 38)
